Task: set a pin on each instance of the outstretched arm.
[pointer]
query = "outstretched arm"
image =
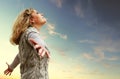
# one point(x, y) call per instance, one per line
point(11, 67)
point(35, 40)
point(41, 50)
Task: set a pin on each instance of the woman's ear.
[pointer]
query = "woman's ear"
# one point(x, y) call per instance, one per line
point(31, 21)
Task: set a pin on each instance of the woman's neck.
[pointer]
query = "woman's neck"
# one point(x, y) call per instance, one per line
point(37, 27)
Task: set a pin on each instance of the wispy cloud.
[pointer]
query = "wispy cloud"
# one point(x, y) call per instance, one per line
point(106, 65)
point(87, 41)
point(99, 53)
point(58, 3)
point(88, 56)
point(51, 30)
point(78, 10)
point(108, 45)
point(110, 65)
point(113, 58)
point(102, 49)
point(96, 71)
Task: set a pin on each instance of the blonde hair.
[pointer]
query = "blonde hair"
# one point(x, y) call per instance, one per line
point(20, 25)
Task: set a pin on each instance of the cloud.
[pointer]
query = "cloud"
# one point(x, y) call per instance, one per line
point(102, 49)
point(78, 10)
point(51, 31)
point(61, 52)
point(99, 57)
point(99, 53)
point(106, 65)
point(108, 45)
point(88, 56)
point(96, 71)
point(87, 41)
point(110, 66)
point(113, 58)
point(58, 3)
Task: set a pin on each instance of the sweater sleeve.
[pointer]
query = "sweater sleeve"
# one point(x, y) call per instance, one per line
point(37, 39)
point(15, 62)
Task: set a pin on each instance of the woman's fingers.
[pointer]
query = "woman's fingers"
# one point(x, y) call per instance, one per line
point(41, 50)
point(8, 70)
point(43, 53)
point(5, 71)
point(48, 55)
point(37, 46)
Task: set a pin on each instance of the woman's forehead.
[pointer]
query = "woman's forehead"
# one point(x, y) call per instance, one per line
point(34, 11)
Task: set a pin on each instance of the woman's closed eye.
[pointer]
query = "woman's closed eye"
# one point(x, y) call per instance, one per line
point(37, 12)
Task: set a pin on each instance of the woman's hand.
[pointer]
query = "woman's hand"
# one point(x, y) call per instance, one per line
point(8, 70)
point(41, 50)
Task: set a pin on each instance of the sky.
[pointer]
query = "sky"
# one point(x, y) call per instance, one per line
point(82, 35)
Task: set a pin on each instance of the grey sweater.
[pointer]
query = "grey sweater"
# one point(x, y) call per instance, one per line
point(31, 65)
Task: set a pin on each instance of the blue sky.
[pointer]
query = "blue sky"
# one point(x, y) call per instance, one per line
point(82, 35)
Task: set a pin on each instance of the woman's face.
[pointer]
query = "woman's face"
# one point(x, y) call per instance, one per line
point(38, 18)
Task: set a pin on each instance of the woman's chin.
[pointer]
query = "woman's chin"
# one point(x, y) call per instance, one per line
point(45, 21)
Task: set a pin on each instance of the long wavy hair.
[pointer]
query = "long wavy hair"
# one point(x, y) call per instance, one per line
point(21, 23)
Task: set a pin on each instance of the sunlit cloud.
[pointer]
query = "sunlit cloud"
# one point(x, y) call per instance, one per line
point(113, 58)
point(79, 68)
point(105, 47)
point(110, 65)
point(101, 50)
point(58, 3)
point(99, 53)
point(51, 31)
point(88, 56)
point(95, 71)
point(106, 65)
point(62, 54)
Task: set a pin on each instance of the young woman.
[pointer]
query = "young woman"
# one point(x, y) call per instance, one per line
point(33, 53)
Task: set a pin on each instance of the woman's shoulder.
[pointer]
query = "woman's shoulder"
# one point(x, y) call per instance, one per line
point(32, 29)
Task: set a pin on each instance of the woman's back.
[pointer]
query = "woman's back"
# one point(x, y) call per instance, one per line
point(31, 65)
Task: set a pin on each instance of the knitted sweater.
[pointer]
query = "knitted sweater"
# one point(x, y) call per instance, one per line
point(31, 65)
